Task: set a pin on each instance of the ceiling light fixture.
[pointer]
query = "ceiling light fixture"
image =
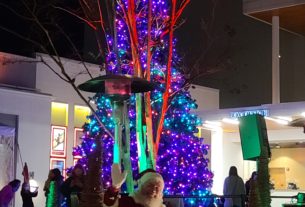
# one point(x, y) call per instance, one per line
point(286, 118)
point(279, 121)
point(211, 127)
point(216, 123)
point(230, 121)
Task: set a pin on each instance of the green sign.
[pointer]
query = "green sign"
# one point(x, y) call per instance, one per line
point(253, 135)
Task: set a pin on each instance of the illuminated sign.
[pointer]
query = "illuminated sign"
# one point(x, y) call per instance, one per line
point(237, 114)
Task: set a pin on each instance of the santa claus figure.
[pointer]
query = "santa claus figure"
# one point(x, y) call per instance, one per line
point(148, 194)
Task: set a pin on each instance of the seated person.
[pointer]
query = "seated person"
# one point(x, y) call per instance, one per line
point(148, 194)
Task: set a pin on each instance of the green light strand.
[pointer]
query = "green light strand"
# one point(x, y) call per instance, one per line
point(140, 140)
point(126, 155)
point(51, 197)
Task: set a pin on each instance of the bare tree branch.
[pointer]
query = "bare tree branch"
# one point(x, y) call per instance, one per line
point(44, 30)
point(16, 13)
point(75, 50)
point(75, 15)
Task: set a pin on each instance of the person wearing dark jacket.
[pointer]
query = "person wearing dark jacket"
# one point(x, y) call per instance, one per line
point(247, 184)
point(27, 195)
point(73, 186)
point(52, 188)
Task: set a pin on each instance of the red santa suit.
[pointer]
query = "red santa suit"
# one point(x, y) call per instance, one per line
point(149, 193)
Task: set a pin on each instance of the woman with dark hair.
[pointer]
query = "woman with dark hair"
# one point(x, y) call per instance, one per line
point(72, 187)
point(233, 185)
point(52, 188)
point(7, 192)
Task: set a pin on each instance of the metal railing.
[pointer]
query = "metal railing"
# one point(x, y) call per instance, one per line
point(218, 199)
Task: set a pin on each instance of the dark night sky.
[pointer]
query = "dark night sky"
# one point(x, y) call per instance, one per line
point(190, 35)
point(241, 50)
point(10, 43)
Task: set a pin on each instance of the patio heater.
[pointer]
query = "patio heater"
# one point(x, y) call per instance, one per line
point(119, 89)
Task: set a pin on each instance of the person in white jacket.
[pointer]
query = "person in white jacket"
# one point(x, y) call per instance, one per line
point(233, 185)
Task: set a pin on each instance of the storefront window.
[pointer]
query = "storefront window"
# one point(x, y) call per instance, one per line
point(287, 166)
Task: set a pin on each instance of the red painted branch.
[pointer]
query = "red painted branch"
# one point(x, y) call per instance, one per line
point(168, 76)
point(148, 40)
point(132, 27)
point(102, 23)
point(180, 10)
point(148, 110)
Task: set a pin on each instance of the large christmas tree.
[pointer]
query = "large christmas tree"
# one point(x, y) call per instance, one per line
point(142, 45)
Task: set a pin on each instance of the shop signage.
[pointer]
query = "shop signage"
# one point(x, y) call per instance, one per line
point(237, 114)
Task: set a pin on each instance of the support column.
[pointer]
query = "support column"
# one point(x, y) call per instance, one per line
point(217, 160)
point(275, 60)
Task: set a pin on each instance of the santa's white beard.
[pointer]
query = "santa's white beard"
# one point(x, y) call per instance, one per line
point(147, 202)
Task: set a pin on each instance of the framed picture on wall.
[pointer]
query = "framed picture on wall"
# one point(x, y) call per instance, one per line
point(58, 141)
point(59, 163)
point(78, 134)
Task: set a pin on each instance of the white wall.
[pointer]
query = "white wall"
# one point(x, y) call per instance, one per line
point(34, 112)
point(33, 134)
point(48, 82)
point(225, 153)
point(62, 91)
point(206, 98)
point(217, 159)
point(232, 154)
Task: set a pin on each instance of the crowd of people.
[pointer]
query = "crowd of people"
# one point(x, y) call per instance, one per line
point(149, 193)
point(57, 191)
point(67, 193)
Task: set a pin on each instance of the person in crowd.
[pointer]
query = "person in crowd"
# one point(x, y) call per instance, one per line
point(247, 184)
point(233, 185)
point(52, 188)
point(7, 192)
point(26, 192)
point(27, 195)
point(148, 194)
point(73, 186)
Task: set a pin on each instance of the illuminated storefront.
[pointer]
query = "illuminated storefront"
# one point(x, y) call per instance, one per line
point(287, 142)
